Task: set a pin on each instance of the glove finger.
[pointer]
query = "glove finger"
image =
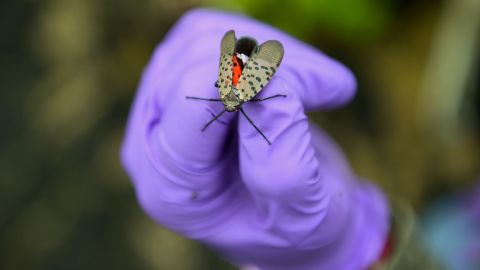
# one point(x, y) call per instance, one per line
point(180, 129)
point(178, 170)
point(185, 64)
point(289, 163)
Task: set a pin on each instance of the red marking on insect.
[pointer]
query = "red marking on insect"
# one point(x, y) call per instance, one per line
point(237, 70)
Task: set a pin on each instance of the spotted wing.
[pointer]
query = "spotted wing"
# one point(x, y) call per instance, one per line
point(227, 48)
point(259, 69)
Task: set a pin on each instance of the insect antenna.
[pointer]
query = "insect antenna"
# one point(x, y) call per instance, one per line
point(251, 122)
point(213, 120)
point(206, 99)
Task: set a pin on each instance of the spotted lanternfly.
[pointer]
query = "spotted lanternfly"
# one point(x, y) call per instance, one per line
point(245, 69)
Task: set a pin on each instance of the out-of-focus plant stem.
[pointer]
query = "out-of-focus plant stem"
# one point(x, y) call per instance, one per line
point(449, 69)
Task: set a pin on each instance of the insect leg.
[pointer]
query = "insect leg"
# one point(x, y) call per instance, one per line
point(251, 122)
point(213, 119)
point(206, 99)
point(263, 99)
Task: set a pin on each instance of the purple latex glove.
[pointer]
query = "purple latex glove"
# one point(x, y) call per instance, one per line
point(292, 205)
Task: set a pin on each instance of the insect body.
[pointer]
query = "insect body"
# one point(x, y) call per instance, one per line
point(245, 69)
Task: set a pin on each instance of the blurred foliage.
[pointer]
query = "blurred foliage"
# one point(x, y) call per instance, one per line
point(347, 20)
point(69, 72)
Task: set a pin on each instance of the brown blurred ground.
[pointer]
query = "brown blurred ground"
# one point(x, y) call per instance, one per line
point(69, 70)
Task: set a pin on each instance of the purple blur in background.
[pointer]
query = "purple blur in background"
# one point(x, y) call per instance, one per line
point(293, 205)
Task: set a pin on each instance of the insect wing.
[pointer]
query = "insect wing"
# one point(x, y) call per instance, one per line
point(259, 69)
point(227, 49)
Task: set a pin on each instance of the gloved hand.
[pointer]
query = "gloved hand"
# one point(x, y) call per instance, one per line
point(292, 205)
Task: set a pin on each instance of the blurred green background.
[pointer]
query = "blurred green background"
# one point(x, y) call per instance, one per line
point(69, 70)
